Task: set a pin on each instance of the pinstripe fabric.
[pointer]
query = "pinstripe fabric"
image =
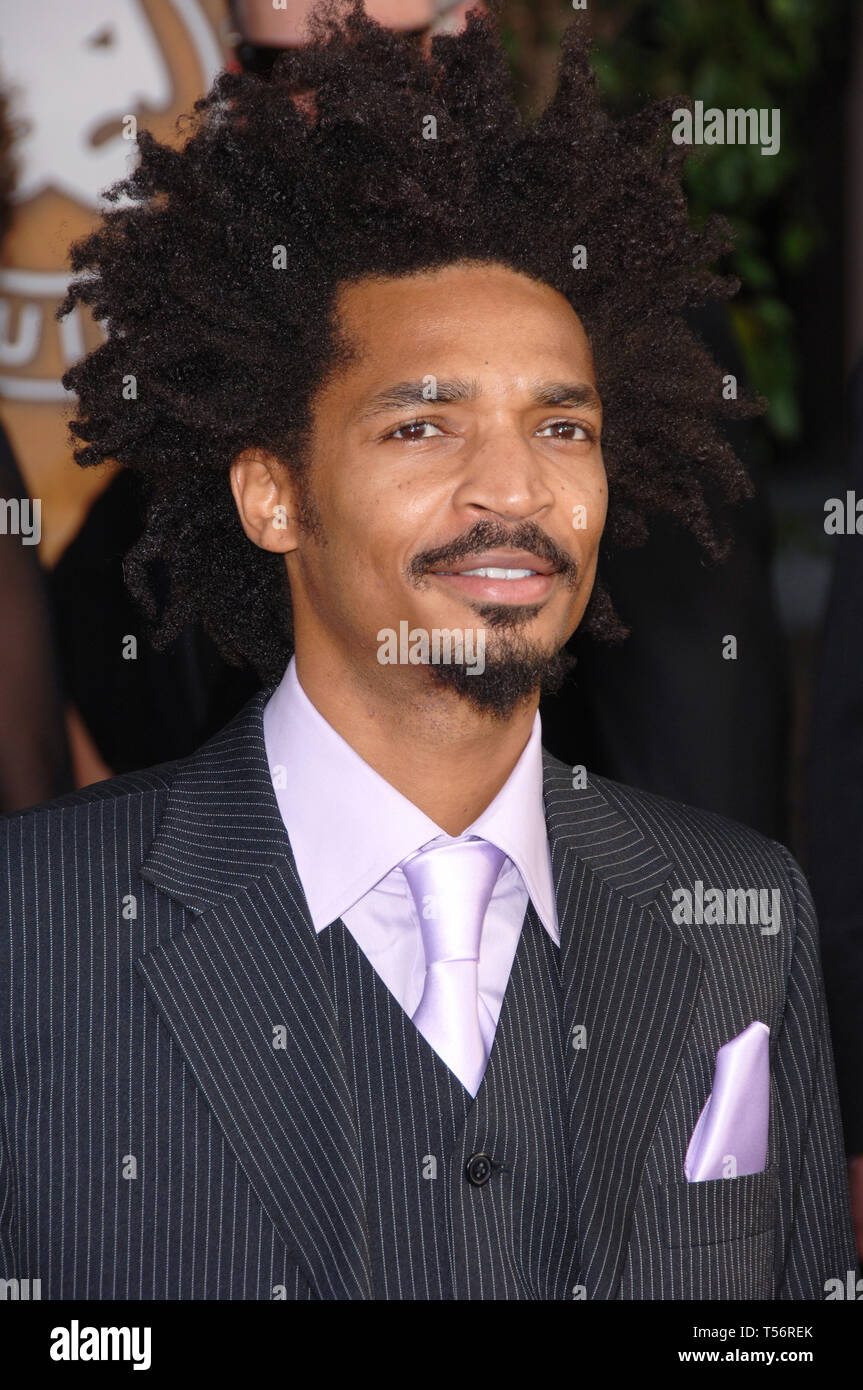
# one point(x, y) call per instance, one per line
point(179, 1118)
point(432, 1234)
point(658, 999)
point(119, 1181)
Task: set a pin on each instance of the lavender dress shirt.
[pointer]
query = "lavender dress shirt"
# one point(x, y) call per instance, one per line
point(350, 829)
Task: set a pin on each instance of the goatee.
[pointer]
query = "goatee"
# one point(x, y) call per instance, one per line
point(515, 671)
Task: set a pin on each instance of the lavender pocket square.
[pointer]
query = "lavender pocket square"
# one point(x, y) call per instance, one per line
point(733, 1123)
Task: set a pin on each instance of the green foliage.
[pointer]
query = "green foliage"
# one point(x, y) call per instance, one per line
point(729, 54)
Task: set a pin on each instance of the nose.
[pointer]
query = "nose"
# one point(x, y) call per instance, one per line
point(502, 474)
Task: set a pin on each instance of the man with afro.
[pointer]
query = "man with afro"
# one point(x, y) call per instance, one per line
point(371, 997)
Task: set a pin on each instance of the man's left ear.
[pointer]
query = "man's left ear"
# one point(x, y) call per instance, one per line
point(265, 496)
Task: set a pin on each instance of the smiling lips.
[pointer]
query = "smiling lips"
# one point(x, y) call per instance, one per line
point(500, 576)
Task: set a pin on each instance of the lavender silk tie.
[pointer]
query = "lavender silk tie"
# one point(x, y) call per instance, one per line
point(452, 887)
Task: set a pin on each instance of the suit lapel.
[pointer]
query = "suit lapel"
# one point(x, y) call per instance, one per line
point(242, 989)
point(631, 984)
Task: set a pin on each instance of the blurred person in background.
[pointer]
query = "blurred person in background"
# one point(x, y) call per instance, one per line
point(261, 32)
point(34, 757)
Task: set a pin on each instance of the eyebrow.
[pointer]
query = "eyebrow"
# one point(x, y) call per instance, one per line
point(457, 390)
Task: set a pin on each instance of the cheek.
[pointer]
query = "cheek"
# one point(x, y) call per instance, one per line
point(601, 509)
point(595, 499)
point(386, 512)
point(586, 509)
point(363, 530)
point(349, 515)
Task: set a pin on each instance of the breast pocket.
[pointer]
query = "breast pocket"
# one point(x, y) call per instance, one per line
point(718, 1236)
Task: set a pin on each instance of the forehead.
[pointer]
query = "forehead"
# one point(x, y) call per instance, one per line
point(470, 314)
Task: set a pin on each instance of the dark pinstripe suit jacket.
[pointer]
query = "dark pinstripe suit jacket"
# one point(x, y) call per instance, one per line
point(155, 1144)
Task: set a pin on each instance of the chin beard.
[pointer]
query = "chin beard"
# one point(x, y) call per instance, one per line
point(514, 671)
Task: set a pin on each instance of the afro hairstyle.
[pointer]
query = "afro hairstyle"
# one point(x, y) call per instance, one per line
point(329, 158)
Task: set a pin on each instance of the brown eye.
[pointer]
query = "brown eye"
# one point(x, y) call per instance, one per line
point(413, 425)
point(569, 425)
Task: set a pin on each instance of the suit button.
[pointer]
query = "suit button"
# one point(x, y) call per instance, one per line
point(478, 1169)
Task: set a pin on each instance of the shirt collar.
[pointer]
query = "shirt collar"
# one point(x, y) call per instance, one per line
point(349, 828)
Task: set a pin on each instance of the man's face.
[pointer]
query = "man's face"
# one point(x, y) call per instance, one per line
point(464, 435)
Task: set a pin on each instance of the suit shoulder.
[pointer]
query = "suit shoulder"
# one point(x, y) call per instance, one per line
point(689, 835)
point(652, 806)
point(696, 839)
point(150, 783)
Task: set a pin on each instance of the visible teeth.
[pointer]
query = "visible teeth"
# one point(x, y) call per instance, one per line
point(489, 573)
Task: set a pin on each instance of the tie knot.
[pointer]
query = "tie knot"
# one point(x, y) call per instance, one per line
point(452, 887)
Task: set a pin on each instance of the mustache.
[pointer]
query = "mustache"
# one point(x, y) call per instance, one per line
point(491, 535)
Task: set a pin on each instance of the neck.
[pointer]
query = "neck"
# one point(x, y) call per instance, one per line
point(445, 756)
